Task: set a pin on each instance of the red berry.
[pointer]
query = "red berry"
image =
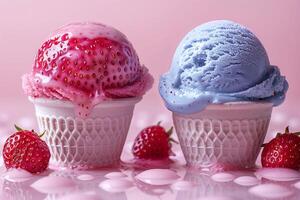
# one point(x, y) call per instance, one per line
point(25, 150)
point(152, 143)
point(282, 151)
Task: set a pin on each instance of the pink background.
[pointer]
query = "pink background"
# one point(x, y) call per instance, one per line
point(155, 28)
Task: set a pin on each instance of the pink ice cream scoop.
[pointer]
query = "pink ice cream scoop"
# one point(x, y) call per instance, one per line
point(85, 83)
point(87, 63)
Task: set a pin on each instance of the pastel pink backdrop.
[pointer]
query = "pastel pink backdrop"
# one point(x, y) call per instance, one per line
point(154, 27)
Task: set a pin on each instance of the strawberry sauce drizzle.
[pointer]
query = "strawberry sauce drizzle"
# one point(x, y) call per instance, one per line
point(87, 63)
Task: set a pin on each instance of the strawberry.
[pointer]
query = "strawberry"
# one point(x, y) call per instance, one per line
point(87, 65)
point(282, 151)
point(152, 143)
point(25, 149)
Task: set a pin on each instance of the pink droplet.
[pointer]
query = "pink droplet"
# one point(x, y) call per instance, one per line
point(182, 185)
point(115, 175)
point(222, 177)
point(53, 184)
point(278, 174)
point(17, 175)
point(271, 191)
point(246, 180)
point(116, 185)
point(158, 176)
point(297, 185)
point(85, 177)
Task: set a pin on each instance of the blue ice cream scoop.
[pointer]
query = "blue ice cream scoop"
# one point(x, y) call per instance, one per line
point(219, 62)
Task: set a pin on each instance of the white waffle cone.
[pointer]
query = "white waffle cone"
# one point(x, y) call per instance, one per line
point(223, 135)
point(96, 141)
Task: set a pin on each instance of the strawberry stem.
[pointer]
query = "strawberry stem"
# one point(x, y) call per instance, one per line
point(172, 140)
point(43, 133)
point(278, 134)
point(287, 130)
point(158, 123)
point(170, 131)
point(18, 128)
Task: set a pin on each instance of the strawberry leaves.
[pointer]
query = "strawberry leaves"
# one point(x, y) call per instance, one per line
point(21, 129)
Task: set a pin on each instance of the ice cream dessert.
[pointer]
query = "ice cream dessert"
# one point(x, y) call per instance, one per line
point(85, 81)
point(87, 63)
point(220, 62)
point(221, 88)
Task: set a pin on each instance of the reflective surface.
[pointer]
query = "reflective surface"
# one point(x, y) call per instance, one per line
point(121, 182)
point(192, 184)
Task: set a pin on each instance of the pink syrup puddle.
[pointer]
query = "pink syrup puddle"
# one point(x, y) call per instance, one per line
point(278, 174)
point(115, 175)
point(53, 184)
point(85, 177)
point(17, 175)
point(222, 177)
point(270, 191)
point(116, 185)
point(182, 185)
point(158, 176)
point(80, 196)
point(246, 181)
